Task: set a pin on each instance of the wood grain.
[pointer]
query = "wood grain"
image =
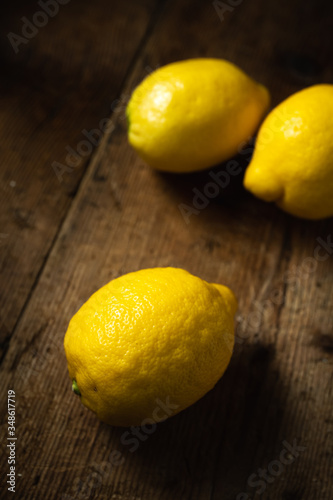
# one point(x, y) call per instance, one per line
point(277, 390)
point(65, 80)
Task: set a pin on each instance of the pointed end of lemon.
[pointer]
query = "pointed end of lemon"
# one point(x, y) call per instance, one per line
point(75, 388)
point(229, 297)
point(262, 183)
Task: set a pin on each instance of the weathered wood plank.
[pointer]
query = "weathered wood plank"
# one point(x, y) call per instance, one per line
point(278, 388)
point(63, 81)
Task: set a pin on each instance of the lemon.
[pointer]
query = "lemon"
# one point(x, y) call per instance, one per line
point(193, 114)
point(292, 163)
point(149, 344)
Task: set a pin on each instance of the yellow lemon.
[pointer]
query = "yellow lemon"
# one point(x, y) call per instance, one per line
point(292, 163)
point(149, 344)
point(193, 114)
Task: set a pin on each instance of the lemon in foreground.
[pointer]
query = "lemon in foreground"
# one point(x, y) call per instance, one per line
point(292, 163)
point(149, 344)
point(193, 114)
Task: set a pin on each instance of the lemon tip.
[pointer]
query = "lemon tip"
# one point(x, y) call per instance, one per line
point(229, 296)
point(75, 388)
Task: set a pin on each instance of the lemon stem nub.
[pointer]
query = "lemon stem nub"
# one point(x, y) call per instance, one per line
point(75, 388)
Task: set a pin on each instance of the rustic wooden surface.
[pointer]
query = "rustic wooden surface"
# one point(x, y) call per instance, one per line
point(61, 239)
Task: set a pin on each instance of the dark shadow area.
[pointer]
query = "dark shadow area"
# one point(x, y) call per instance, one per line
point(198, 199)
point(228, 177)
point(224, 437)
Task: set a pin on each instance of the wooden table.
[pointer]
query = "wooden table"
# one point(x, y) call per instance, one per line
point(75, 215)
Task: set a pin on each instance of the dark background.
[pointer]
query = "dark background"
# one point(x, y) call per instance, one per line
point(71, 223)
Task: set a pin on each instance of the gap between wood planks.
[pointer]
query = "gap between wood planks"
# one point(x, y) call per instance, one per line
point(92, 162)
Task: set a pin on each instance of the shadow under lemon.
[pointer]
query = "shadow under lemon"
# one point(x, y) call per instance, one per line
point(225, 436)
